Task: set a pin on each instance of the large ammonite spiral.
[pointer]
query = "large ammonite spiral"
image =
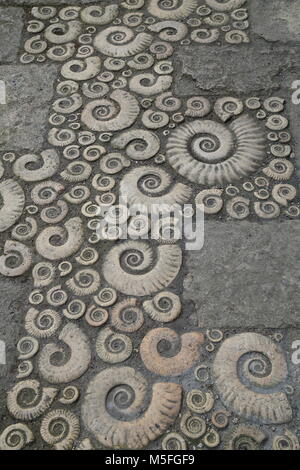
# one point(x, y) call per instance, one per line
point(114, 408)
point(249, 370)
point(210, 153)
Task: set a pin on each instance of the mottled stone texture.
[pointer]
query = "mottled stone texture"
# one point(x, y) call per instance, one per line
point(276, 20)
point(11, 26)
point(29, 90)
point(236, 69)
point(246, 275)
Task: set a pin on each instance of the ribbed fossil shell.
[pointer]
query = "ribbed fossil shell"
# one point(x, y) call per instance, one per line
point(252, 359)
point(209, 153)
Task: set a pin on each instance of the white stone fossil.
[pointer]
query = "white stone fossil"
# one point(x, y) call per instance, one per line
point(153, 119)
point(35, 45)
point(238, 207)
point(69, 13)
point(266, 406)
point(218, 154)
point(73, 228)
point(236, 36)
point(152, 187)
point(50, 163)
point(153, 84)
point(283, 193)
point(126, 316)
point(12, 203)
point(141, 61)
point(112, 347)
point(46, 192)
point(116, 113)
point(211, 199)
point(67, 87)
point(220, 5)
point(164, 307)
point(68, 105)
point(42, 324)
point(98, 15)
point(27, 347)
point(267, 209)
point(85, 282)
point(173, 365)
point(56, 213)
point(131, 434)
point(26, 230)
point(113, 163)
point(25, 368)
point(81, 69)
point(27, 410)
point(16, 437)
point(60, 428)
point(227, 106)
point(44, 12)
point(279, 169)
point(75, 366)
point(205, 35)
point(173, 11)
point(129, 267)
point(120, 41)
point(16, 259)
point(133, 4)
point(76, 171)
point(61, 33)
point(172, 31)
point(56, 296)
point(139, 144)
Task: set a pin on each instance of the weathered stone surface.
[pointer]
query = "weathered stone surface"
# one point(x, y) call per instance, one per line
point(278, 20)
point(246, 275)
point(28, 95)
point(47, 2)
point(236, 69)
point(11, 26)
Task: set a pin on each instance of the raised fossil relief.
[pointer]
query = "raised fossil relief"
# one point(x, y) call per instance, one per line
point(102, 307)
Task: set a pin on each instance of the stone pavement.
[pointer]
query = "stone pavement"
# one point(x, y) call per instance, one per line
point(110, 337)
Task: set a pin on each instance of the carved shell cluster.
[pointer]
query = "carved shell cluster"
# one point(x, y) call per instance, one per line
point(117, 128)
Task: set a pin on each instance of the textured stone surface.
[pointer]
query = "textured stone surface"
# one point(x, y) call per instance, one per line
point(11, 27)
point(276, 21)
point(219, 325)
point(245, 275)
point(236, 69)
point(45, 2)
point(28, 95)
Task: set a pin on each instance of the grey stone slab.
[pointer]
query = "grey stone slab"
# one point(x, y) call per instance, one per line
point(246, 275)
point(11, 27)
point(23, 119)
point(12, 311)
point(278, 20)
point(233, 69)
point(49, 2)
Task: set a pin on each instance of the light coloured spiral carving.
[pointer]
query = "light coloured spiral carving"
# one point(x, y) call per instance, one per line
point(120, 41)
point(209, 153)
point(246, 363)
point(175, 364)
point(116, 113)
point(131, 268)
point(73, 228)
point(113, 403)
point(12, 200)
point(79, 358)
